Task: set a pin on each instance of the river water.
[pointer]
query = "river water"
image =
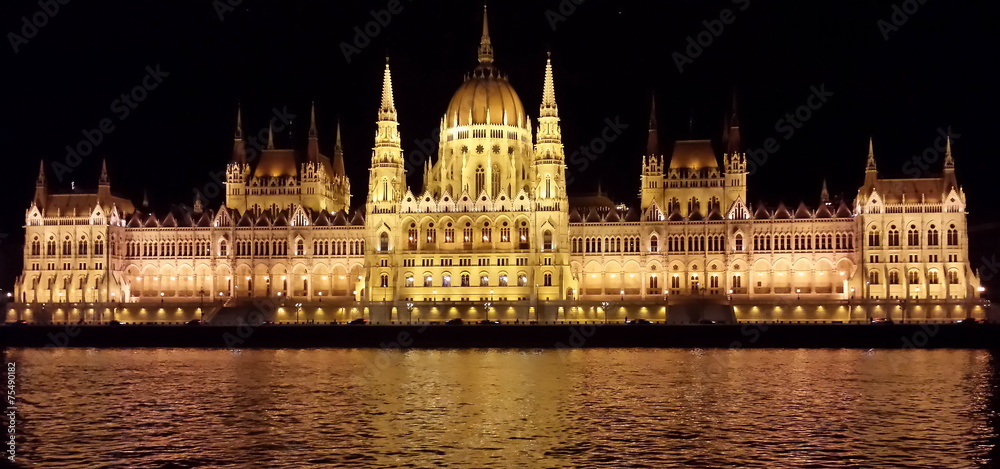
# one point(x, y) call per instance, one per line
point(178, 408)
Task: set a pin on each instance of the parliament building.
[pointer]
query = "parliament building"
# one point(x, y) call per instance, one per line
point(493, 233)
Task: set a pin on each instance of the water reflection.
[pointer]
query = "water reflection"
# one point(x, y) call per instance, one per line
point(506, 408)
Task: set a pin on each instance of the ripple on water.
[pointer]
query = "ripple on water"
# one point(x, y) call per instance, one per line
point(496, 408)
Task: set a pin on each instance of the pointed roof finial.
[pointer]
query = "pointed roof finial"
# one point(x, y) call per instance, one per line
point(338, 155)
point(270, 136)
point(549, 107)
point(312, 120)
point(41, 174)
point(145, 198)
point(239, 123)
point(732, 136)
point(388, 109)
point(871, 155)
point(485, 48)
point(653, 142)
point(104, 180)
point(824, 195)
point(949, 161)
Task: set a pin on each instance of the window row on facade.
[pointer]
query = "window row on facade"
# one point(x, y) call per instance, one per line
point(68, 247)
point(914, 236)
point(465, 280)
point(913, 277)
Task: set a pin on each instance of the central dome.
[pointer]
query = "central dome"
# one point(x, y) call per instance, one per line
point(483, 94)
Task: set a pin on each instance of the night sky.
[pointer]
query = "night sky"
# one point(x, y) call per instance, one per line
point(937, 69)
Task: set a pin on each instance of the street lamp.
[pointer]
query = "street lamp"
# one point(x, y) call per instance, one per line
point(536, 306)
point(298, 308)
point(798, 293)
point(409, 311)
point(489, 304)
point(605, 305)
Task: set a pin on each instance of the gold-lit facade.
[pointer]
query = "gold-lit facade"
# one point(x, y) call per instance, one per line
point(492, 230)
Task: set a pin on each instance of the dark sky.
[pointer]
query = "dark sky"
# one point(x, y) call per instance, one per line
point(935, 70)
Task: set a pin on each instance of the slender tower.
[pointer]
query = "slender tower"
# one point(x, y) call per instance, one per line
point(386, 186)
point(550, 162)
point(237, 171)
point(652, 165)
point(387, 181)
point(551, 214)
point(341, 185)
point(735, 160)
point(41, 188)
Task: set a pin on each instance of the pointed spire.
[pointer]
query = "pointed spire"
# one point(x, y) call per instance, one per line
point(239, 151)
point(104, 179)
point(312, 152)
point(41, 191)
point(824, 195)
point(41, 174)
point(549, 107)
point(388, 110)
point(338, 155)
point(485, 48)
point(239, 123)
point(733, 142)
point(145, 198)
point(270, 136)
point(312, 120)
point(949, 161)
point(871, 156)
point(653, 142)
